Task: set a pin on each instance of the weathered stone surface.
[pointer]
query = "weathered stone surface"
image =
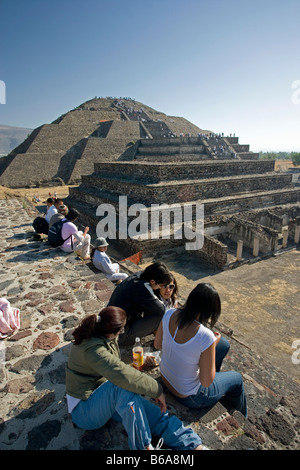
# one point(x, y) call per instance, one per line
point(67, 307)
point(35, 302)
point(47, 322)
point(103, 296)
point(45, 309)
point(75, 284)
point(293, 402)
point(71, 321)
point(91, 306)
point(20, 335)
point(82, 295)
point(34, 404)
point(102, 285)
point(31, 363)
point(68, 336)
point(58, 375)
point(46, 340)
point(57, 289)
point(14, 351)
point(45, 276)
point(40, 436)
point(253, 432)
point(32, 295)
point(228, 425)
point(62, 296)
point(23, 385)
point(37, 285)
point(276, 426)
point(33, 380)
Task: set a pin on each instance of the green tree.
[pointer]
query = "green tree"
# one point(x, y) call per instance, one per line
point(296, 158)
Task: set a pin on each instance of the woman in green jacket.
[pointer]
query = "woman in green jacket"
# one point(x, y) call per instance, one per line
point(101, 386)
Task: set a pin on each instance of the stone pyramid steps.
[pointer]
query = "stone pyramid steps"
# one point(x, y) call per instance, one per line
point(171, 192)
point(155, 172)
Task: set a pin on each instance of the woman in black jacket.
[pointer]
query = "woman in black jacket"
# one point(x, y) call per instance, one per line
point(136, 296)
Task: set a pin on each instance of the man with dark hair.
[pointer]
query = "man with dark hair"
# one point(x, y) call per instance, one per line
point(136, 296)
point(51, 209)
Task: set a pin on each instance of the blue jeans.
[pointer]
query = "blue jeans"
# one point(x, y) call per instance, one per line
point(140, 418)
point(226, 384)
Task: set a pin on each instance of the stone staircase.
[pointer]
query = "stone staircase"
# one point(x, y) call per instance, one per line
point(141, 185)
point(242, 151)
point(187, 148)
point(158, 129)
point(171, 149)
point(228, 147)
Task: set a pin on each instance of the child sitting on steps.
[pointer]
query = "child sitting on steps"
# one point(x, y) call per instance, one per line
point(102, 262)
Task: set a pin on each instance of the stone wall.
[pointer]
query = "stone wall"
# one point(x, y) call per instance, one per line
point(242, 229)
point(245, 202)
point(183, 191)
point(214, 252)
point(156, 172)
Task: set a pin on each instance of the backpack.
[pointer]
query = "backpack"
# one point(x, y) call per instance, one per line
point(54, 235)
point(40, 225)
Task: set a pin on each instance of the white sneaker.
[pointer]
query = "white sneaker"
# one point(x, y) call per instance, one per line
point(158, 445)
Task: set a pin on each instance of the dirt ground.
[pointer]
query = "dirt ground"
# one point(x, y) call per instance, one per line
point(284, 165)
point(43, 193)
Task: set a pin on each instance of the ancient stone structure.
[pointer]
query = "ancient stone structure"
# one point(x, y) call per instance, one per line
point(55, 290)
point(98, 130)
point(246, 202)
point(121, 148)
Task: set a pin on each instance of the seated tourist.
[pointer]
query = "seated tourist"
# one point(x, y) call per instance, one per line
point(42, 224)
point(168, 293)
point(75, 240)
point(62, 211)
point(136, 296)
point(51, 209)
point(102, 261)
point(100, 386)
point(192, 355)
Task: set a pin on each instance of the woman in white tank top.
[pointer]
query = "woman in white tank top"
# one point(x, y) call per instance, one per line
point(192, 354)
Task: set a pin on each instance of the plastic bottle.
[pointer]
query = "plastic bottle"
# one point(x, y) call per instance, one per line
point(138, 354)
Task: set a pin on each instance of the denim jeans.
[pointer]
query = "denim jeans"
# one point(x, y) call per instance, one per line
point(140, 418)
point(226, 384)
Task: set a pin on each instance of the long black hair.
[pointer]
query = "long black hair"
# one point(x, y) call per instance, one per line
point(158, 272)
point(72, 214)
point(174, 292)
point(203, 300)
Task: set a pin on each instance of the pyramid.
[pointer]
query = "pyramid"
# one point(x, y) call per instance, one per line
point(99, 130)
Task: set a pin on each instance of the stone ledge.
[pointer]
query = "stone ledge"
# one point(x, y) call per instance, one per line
point(34, 414)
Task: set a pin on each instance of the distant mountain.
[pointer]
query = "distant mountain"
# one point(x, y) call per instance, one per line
point(11, 137)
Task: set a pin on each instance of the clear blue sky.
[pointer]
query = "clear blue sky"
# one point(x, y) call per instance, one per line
point(225, 65)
